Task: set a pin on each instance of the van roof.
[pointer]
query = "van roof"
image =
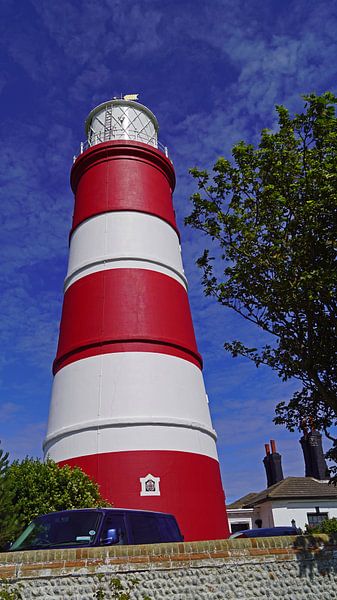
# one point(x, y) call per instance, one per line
point(109, 509)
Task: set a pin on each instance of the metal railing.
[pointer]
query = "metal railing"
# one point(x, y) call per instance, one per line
point(120, 134)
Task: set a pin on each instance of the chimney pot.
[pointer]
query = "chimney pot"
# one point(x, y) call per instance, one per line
point(273, 464)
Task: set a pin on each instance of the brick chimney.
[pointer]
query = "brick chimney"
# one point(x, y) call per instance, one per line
point(273, 464)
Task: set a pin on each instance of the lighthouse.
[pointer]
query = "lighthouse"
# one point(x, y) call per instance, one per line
point(128, 403)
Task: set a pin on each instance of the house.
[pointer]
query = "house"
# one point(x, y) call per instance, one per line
point(293, 501)
point(297, 501)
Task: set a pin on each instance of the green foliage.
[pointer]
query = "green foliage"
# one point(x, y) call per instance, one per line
point(4, 462)
point(99, 594)
point(118, 590)
point(9, 591)
point(328, 526)
point(7, 521)
point(271, 219)
point(36, 487)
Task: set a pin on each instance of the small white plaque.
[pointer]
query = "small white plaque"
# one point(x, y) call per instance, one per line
point(149, 485)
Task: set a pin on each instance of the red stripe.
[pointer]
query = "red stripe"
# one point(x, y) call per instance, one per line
point(117, 176)
point(130, 346)
point(125, 306)
point(190, 486)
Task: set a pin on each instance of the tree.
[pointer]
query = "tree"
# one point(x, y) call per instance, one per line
point(7, 523)
point(37, 487)
point(271, 216)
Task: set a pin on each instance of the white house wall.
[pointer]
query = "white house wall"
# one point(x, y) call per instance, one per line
point(265, 513)
point(284, 513)
point(240, 516)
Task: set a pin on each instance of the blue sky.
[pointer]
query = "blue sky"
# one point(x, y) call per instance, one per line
point(212, 73)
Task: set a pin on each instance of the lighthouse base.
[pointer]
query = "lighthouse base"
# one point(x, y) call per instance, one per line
point(184, 484)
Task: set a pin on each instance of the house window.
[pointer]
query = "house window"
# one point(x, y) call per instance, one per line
point(239, 526)
point(316, 518)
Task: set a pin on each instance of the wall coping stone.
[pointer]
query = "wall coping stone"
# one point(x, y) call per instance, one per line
point(63, 562)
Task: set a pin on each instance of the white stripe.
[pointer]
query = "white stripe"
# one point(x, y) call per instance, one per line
point(128, 401)
point(124, 439)
point(123, 264)
point(115, 238)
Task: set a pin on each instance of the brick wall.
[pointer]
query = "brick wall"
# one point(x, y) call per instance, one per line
point(274, 568)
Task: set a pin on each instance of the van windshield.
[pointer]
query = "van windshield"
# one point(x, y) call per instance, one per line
point(69, 528)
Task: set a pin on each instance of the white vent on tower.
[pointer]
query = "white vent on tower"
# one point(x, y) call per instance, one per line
point(149, 485)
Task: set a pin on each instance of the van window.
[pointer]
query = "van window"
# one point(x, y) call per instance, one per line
point(69, 528)
point(169, 529)
point(145, 528)
point(114, 522)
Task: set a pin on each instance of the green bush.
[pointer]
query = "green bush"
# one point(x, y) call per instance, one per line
point(32, 488)
point(7, 519)
point(328, 526)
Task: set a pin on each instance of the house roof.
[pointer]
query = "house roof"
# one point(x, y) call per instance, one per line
point(290, 487)
point(241, 502)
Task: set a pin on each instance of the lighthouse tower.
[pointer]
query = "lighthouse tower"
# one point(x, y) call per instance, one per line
point(128, 402)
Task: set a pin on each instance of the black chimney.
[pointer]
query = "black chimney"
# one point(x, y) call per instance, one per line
point(266, 462)
point(315, 465)
point(273, 465)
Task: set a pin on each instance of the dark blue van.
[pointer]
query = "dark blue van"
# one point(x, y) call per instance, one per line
point(90, 527)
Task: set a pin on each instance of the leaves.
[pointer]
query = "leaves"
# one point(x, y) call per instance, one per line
point(271, 214)
point(328, 526)
point(7, 520)
point(36, 488)
point(9, 591)
point(118, 589)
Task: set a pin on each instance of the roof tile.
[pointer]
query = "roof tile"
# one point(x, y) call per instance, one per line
point(291, 487)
